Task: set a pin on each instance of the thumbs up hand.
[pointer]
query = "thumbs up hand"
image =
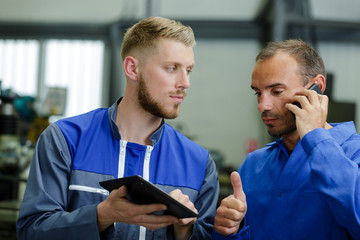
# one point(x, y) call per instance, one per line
point(232, 209)
point(237, 187)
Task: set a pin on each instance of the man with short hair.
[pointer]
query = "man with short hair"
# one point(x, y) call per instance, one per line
point(64, 200)
point(305, 185)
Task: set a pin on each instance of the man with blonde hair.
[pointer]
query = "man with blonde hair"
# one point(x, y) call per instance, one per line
point(64, 200)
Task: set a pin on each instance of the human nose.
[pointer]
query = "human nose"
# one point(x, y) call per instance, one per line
point(183, 80)
point(264, 103)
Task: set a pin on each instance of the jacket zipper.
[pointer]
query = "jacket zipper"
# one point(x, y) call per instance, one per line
point(122, 153)
point(146, 175)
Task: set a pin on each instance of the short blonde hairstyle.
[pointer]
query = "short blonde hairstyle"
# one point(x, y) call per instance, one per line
point(145, 34)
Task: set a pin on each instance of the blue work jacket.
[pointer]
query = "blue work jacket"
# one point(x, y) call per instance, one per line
point(312, 193)
point(74, 154)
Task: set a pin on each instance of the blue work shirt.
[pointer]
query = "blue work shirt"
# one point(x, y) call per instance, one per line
point(312, 193)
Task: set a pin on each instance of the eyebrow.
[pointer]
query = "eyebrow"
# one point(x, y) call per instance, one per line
point(270, 86)
point(180, 64)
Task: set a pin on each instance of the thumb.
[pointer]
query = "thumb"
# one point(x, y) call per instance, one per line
point(237, 186)
point(121, 191)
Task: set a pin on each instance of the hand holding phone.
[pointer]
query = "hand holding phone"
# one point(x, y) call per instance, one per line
point(312, 87)
point(313, 114)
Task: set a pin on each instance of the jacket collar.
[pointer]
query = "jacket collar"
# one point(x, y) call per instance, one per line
point(155, 137)
point(342, 131)
point(339, 131)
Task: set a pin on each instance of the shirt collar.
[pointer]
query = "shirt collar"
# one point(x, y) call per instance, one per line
point(342, 131)
point(339, 131)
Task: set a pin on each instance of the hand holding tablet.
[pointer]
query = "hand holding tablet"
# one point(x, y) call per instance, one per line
point(141, 191)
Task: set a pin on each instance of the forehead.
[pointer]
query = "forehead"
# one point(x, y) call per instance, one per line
point(282, 68)
point(173, 51)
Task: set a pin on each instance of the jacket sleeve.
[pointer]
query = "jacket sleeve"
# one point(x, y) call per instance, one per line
point(206, 203)
point(43, 213)
point(335, 172)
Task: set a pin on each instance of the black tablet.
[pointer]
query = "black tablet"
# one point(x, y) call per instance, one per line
point(141, 191)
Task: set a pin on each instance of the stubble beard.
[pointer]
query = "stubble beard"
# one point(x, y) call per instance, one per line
point(150, 105)
point(288, 128)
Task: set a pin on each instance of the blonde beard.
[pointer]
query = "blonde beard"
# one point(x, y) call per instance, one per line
point(150, 105)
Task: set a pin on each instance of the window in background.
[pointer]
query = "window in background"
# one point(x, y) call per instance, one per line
point(19, 66)
point(77, 66)
point(73, 67)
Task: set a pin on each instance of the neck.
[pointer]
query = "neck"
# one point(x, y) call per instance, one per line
point(135, 125)
point(290, 140)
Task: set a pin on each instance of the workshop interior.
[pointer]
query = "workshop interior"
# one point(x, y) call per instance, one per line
point(62, 58)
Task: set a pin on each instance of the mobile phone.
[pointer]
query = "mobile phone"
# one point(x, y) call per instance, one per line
point(316, 88)
point(312, 87)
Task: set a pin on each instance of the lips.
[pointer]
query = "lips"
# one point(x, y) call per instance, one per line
point(178, 98)
point(268, 120)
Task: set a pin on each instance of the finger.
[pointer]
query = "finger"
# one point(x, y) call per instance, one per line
point(225, 230)
point(303, 100)
point(292, 107)
point(324, 101)
point(176, 194)
point(186, 221)
point(227, 222)
point(154, 227)
point(120, 192)
point(235, 213)
point(225, 225)
point(149, 208)
point(313, 97)
point(237, 186)
point(163, 220)
point(183, 198)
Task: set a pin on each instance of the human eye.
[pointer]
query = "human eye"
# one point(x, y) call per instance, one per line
point(258, 94)
point(276, 92)
point(171, 68)
point(189, 70)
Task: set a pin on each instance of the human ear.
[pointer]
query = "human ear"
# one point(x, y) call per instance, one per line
point(130, 65)
point(320, 80)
